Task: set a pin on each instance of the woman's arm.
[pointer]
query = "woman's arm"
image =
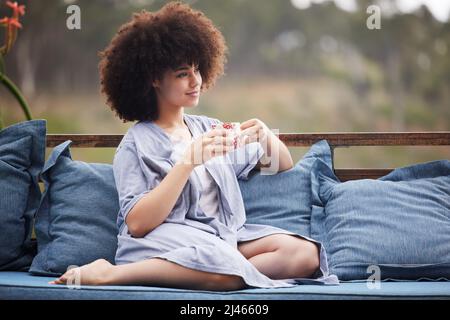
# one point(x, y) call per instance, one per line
point(154, 207)
point(256, 130)
point(285, 158)
point(159, 202)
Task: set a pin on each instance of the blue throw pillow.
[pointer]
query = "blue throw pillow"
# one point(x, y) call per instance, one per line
point(283, 200)
point(22, 155)
point(76, 223)
point(396, 227)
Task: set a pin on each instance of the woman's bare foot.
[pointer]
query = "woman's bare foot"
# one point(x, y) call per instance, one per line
point(94, 273)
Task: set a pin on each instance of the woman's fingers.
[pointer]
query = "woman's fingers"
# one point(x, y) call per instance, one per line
point(212, 143)
point(250, 131)
point(61, 280)
point(228, 140)
point(56, 281)
point(217, 140)
point(253, 134)
point(216, 132)
point(64, 278)
point(221, 149)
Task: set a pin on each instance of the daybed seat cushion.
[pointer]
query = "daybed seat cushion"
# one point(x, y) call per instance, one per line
point(22, 285)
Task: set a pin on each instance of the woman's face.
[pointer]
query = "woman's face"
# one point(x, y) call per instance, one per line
point(173, 89)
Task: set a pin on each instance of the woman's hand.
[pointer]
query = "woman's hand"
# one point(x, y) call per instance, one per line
point(215, 142)
point(254, 130)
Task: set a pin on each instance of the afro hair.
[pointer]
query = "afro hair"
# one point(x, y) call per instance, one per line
point(148, 45)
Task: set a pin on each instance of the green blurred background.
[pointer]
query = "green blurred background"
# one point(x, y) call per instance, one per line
point(298, 65)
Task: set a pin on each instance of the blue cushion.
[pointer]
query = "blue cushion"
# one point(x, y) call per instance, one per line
point(400, 223)
point(22, 285)
point(284, 199)
point(22, 155)
point(76, 223)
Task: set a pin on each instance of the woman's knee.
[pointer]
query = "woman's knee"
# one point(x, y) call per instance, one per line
point(224, 282)
point(301, 255)
point(308, 258)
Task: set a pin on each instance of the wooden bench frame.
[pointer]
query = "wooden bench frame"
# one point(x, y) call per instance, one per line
point(336, 140)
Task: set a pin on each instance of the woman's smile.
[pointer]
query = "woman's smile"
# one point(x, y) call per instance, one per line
point(194, 94)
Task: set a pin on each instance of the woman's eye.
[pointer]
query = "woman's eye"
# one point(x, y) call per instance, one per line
point(184, 73)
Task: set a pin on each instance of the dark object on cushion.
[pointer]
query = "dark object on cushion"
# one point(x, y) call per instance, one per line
point(399, 223)
point(22, 156)
point(76, 223)
point(284, 199)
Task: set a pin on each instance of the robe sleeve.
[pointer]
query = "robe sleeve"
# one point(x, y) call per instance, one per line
point(245, 158)
point(131, 182)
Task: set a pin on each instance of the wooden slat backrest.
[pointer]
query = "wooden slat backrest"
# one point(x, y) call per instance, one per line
point(336, 140)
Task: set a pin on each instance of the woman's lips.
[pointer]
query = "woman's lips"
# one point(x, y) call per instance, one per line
point(194, 94)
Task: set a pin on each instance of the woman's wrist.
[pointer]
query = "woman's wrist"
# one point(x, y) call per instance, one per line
point(183, 163)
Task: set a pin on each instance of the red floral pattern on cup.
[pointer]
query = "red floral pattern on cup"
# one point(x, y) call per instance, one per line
point(234, 126)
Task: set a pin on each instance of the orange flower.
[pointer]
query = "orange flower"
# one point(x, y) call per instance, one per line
point(18, 9)
point(6, 21)
point(11, 24)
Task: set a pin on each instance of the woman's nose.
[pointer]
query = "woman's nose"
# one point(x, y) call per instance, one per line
point(196, 80)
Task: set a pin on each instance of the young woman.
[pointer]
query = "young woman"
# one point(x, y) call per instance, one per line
point(182, 220)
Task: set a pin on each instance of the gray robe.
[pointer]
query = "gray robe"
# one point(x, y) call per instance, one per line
point(188, 237)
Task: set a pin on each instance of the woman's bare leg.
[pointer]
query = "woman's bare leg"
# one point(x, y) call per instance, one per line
point(154, 272)
point(282, 256)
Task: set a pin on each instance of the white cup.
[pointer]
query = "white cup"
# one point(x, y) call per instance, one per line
point(235, 131)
